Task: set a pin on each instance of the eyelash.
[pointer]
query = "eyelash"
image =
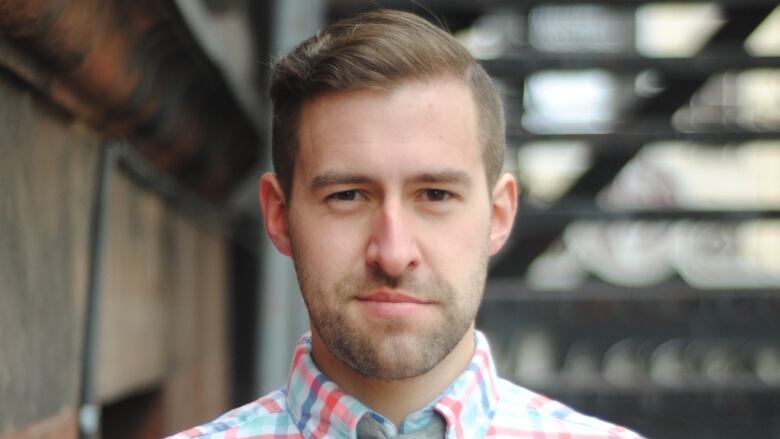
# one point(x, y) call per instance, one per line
point(445, 195)
point(430, 194)
point(345, 195)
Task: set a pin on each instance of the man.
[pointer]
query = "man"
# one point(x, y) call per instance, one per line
point(388, 143)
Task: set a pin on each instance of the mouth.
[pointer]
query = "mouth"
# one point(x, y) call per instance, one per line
point(391, 305)
point(391, 297)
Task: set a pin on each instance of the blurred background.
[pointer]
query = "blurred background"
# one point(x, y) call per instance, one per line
point(139, 297)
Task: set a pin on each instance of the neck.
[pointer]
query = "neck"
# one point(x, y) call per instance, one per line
point(395, 399)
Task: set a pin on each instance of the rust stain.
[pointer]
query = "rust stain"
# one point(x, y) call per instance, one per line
point(130, 70)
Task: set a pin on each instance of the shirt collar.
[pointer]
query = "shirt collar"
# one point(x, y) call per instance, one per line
point(470, 402)
point(318, 406)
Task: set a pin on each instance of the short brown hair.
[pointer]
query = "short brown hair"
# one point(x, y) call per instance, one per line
point(377, 49)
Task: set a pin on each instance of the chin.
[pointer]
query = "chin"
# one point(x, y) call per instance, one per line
point(400, 356)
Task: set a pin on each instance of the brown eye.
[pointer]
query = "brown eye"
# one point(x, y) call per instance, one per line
point(349, 195)
point(437, 195)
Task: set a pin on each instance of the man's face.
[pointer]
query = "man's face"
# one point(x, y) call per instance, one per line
point(389, 224)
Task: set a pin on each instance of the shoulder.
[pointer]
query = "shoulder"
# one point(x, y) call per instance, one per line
point(522, 412)
point(261, 416)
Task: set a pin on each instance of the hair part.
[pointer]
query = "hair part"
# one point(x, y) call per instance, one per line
point(377, 50)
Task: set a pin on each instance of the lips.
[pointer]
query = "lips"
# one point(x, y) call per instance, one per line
point(388, 305)
point(390, 297)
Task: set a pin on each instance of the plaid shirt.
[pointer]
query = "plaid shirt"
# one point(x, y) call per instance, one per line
point(478, 404)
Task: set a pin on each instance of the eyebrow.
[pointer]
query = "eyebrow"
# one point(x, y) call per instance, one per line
point(337, 178)
point(439, 177)
point(446, 176)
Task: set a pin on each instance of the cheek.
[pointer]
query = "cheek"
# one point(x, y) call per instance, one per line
point(457, 248)
point(326, 249)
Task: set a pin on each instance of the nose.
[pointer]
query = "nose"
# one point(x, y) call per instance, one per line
point(392, 246)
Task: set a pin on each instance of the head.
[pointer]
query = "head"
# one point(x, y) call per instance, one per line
point(377, 50)
point(388, 146)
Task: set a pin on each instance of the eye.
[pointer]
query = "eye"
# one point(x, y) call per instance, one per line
point(436, 195)
point(349, 195)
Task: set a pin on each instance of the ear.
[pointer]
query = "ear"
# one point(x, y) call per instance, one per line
point(503, 207)
point(272, 202)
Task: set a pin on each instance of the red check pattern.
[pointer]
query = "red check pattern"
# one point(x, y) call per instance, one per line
point(478, 404)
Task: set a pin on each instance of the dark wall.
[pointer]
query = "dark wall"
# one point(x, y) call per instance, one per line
point(47, 172)
point(162, 321)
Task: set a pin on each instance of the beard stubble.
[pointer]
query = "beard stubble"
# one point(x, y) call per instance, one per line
point(391, 350)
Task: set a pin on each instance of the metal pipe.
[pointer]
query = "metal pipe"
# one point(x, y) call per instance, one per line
point(89, 411)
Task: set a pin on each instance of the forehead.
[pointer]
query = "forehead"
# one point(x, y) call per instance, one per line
point(417, 123)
